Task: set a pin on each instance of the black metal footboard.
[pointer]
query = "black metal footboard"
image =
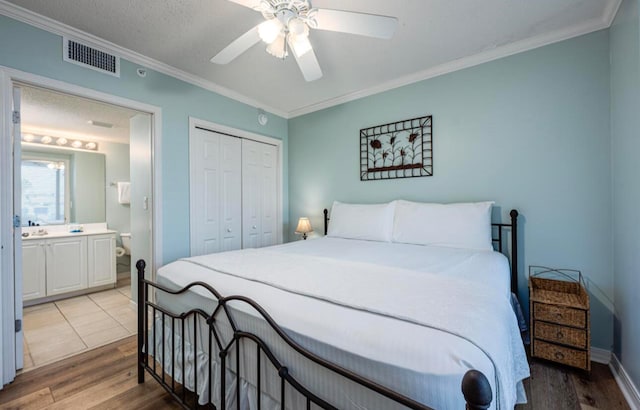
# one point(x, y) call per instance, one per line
point(173, 373)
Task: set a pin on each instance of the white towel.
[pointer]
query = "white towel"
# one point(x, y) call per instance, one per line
point(124, 192)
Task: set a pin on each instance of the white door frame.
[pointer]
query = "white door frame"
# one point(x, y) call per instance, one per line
point(7, 341)
point(224, 129)
point(10, 303)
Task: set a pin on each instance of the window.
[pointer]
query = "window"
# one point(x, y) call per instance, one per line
point(45, 198)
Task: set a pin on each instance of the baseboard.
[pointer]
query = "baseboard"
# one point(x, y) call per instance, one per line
point(600, 355)
point(629, 390)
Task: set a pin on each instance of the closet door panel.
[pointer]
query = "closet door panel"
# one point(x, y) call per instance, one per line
point(204, 153)
point(251, 194)
point(216, 196)
point(231, 193)
point(269, 188)
point(259, 190)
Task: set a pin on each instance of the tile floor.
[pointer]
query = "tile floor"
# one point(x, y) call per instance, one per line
point(66, 327)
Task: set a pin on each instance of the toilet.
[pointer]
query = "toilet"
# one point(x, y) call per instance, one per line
point(126, 244)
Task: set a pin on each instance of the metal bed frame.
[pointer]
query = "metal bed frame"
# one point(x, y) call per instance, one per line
point(475, 386)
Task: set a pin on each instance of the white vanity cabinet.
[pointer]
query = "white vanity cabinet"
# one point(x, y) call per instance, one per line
point(71, 263)
point(34, 271)
point(101, 257)
point(66, 265)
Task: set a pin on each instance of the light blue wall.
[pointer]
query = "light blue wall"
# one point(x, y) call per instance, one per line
point(36, 51)
point(625, 146)
point(530, 131)
point(117, 170)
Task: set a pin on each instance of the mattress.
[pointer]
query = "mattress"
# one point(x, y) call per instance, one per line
point(412, 318)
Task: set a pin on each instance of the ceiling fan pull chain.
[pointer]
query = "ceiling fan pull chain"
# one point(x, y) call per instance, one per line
point(285, 51)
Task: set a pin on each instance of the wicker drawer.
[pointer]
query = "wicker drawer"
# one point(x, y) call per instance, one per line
point(561, 334)
point(559, 354)
point(560, 315)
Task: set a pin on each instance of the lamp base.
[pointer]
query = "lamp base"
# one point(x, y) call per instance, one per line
point(304, 236)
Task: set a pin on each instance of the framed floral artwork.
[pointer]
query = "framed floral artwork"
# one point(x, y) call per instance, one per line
point(402, 149)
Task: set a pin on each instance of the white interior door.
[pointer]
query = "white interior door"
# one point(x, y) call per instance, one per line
point(17, 350)
point(215, 192)
point(141, 196)
point(11, 349)
point(259, 194)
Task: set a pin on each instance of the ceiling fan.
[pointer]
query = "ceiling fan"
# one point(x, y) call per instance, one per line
point(287, 28)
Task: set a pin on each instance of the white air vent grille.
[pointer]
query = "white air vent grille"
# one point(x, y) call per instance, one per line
point(91, 57)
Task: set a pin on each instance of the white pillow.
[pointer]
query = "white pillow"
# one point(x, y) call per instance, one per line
point(462, 225)
point(360, 221)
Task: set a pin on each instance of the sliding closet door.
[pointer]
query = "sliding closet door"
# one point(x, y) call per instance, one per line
point(259, 194)
point(215, 192)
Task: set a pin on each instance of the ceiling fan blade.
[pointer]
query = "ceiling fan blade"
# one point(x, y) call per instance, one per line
point(252, 4)
point(306, 58)
point(370, 25)
point(237, 47)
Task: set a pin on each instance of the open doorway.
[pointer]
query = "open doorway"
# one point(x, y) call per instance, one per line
point(84, 182)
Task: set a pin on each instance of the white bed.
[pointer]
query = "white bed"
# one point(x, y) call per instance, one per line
point(413, 318)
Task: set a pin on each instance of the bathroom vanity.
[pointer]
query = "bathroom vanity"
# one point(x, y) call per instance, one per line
point(60, 264)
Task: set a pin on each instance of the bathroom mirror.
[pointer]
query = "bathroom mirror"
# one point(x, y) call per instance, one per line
point(62, 186)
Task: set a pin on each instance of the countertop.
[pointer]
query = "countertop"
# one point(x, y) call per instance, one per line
point(54, 235)
point(62, 231)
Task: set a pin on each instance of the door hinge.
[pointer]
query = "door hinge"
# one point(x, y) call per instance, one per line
point(16, 117)
point(16, 221)
point(18, 325)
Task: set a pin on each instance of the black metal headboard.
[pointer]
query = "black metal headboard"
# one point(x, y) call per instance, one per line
point(499, 241)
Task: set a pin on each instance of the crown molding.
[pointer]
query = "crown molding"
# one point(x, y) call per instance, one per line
point(45, 23)
point(483, 57)
point(610, 11)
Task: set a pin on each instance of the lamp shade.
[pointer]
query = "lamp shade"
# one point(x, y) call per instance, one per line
point(269, 30)
point(304, 226)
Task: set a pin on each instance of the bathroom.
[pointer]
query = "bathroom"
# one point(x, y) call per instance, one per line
point(76, 174)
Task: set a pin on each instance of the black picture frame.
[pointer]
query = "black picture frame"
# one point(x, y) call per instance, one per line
point(402, 149)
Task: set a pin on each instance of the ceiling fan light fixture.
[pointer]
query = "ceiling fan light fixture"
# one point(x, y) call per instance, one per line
point(277, 47)
point(270, 30)
point(298, 27)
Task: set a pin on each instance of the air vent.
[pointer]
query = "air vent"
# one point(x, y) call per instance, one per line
point(87, 56)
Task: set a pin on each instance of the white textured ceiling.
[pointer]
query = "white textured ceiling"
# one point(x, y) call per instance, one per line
point(433, 36)
point(45, 112)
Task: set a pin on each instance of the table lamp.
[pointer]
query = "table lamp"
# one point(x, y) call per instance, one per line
point(304, 227)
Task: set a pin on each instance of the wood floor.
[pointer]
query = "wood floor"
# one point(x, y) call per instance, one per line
point(105, 378)
point(553, 387)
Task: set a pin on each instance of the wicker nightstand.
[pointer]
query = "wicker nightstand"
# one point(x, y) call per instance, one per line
point(559, 312)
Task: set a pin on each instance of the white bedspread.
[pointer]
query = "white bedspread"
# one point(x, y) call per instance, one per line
point(450, 306)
